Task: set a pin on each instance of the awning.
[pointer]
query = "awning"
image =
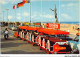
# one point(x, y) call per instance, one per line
point(29, 28)
point(23, 27)
point(52, 32)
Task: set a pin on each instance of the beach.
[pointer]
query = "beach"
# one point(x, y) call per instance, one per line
point(71, 28)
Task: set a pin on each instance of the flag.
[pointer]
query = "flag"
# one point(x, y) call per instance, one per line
point(14, 7)
point(20, 4)
point(26, 1)
point(23, 0)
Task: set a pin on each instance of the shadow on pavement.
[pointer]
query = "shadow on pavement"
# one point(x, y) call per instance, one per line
point(11, 44)
point(9, 39)
point(22, 52)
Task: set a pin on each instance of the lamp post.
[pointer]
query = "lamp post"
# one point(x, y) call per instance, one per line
point(7, 16)
point(30, 13)
point(0, 17)
point(59, 11)
point(41, 12)
point(3, 16)
point(15, 16)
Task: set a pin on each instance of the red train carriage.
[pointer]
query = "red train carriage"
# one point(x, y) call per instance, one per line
point(32, 34)
point(27, 33)
point(45, 38)
point(53, 44)
point(22, 32)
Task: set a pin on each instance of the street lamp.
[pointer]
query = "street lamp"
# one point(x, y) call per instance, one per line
point(0, 17)
point(15, 14)
point(3, 16)
point(30, 13)
point(7, 16)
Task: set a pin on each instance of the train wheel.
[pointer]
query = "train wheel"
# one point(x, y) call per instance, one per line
point(24, 40)
point(33, 44)
point(20, 39)
point(17, 36)
point(40, 48)
point(48, 52)
point(55, 52)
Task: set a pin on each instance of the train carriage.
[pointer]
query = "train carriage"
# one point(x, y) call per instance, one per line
point(22, 32)
point(52, 44)
point(45, 38)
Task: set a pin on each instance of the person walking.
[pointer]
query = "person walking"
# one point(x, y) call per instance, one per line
point(6, 34)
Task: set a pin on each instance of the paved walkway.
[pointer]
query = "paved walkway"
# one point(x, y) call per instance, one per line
point(17, 46)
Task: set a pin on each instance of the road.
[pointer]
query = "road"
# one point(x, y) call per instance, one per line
point(17, 46)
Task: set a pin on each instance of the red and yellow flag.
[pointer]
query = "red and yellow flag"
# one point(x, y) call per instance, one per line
point(26, 1)
point(20, 4)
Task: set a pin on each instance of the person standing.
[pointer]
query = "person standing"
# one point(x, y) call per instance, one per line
point(6, 34)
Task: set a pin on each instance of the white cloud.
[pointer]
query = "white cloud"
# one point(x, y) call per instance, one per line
point(15, 1)
point(54, 0)
point(0, 17)
point(18, 14)
point(19, 18)
point(47, 16)
point(69, 0)
point(45, 0)
point(34, 16)
point(0, 10)
point(66, 16)
point(69, 5)
point(3, 1)
point(9, 17)
point(62, 5)
point(26, 14)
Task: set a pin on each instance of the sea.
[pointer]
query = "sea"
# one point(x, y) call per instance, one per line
point(63, 22)
point(70, 22)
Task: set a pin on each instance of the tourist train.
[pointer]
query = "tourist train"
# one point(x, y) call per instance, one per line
point(47, 39)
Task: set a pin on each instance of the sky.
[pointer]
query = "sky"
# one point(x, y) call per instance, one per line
point(67, 11)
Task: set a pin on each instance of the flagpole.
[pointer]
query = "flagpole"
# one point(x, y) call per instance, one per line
point(15, 15)
point(41, 10)
point(7, 17)
point(30, 12)
point(59, 11)
point(3, 16)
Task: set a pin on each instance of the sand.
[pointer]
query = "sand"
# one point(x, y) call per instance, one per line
point(71, 28)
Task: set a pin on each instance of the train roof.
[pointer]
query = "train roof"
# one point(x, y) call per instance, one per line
point(29, 28)
point(45, 30)
point(52, 31)
point(23, 27)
